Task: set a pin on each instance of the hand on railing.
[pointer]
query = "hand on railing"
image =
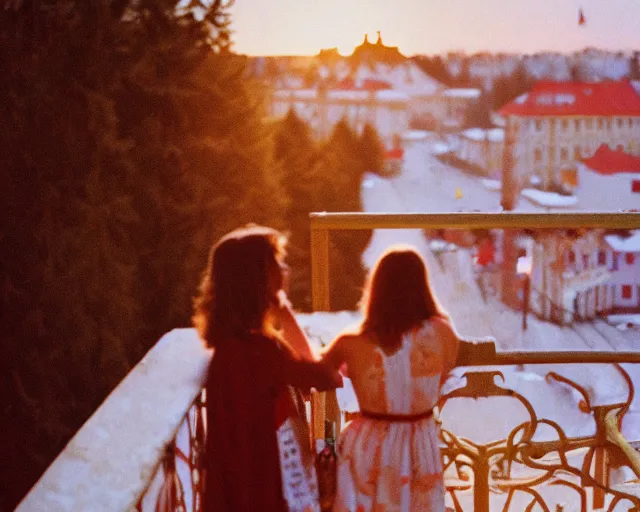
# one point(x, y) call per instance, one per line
point(474, 351)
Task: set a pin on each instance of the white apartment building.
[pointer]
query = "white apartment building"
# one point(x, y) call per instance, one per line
point(386, 110)
point(608, 181)
point(483, 149)
point(557, 124)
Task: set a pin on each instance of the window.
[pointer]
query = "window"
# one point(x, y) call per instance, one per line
point(537, 155)
point(614, 261)
point(538, 125)
point(626, 291)
point(576, 125)
point(569, 177)
point(565, 125)
point(602, 258)
point(635, 186)
point(572, 257)
point(629, 258)
point(585, 261)
point(600, 123)
point(629, 122)
point(576, 153)
point(589, 123)
point(619, 123)
point(564, 154)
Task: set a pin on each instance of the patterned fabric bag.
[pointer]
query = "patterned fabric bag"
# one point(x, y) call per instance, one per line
point(299, 481)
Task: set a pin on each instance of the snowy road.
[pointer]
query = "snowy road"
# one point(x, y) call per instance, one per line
point(428, 185)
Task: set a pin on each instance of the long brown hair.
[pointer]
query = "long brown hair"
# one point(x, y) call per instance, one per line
point(398, 297)
point(235, 293)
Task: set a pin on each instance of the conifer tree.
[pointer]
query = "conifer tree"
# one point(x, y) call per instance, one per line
point(372, 150)
point(135, 140)
point(347, 271)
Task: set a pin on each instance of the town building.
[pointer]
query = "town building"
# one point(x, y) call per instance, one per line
point(569, 280)
point(558, 124)
point(386, 110)
point(450, 107)
point(376, 84)
point(581, 276)
point(613, 171)
point(622, 257)
point(482, 149)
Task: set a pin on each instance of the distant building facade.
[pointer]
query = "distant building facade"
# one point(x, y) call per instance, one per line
point(622, 257)
point(450, 107)
point(568, 280)
point(483, 149)
point(558, 124)
point(322, 109)
point(581, 277)
point(613, 171)
point(376, 84)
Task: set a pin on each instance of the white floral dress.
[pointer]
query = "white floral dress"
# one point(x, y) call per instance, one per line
point(389, 465)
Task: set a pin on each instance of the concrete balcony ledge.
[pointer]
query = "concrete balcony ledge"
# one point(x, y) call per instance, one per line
point(112, 458)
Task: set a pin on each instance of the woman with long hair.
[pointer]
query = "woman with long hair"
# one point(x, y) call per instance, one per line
point(389, 457)
point(258, 455)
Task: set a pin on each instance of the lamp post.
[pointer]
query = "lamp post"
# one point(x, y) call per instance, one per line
point(524, 269)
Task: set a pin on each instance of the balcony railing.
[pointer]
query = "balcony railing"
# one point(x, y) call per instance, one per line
point(523, 470)
point(143, 448)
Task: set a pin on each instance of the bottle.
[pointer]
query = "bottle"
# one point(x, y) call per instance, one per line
point(326, 467)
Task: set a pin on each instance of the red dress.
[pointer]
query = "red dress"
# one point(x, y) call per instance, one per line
point(248, 390)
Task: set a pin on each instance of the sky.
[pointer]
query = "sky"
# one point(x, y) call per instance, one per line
point(303, 27)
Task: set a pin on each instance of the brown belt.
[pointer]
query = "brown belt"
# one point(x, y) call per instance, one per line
point(397, 418)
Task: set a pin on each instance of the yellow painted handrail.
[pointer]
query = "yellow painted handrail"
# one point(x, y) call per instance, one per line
point(480, 352)
point(475, 220)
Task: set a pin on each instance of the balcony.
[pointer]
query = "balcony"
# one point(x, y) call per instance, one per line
point(526, 429)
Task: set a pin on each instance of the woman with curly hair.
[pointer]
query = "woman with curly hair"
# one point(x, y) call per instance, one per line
point(258, 455)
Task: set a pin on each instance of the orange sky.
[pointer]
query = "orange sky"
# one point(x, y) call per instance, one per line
point(302, 27)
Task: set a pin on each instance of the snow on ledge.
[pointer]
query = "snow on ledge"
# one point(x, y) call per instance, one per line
point(550, 199)
point(620, 244)
point(108, 464)
point(491, 184)
point(462, 93)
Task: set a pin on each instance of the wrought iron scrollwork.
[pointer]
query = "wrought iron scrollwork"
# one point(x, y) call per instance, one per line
point(170, 489)
point(521, 464)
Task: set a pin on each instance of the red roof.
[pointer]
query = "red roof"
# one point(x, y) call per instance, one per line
point(375, 85)
point(607, 161)
point(608, 98)
point(394, 154)
point(368, 84)
point(346, 83)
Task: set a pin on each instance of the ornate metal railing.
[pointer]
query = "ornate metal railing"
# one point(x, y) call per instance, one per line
point(177, 484)
point(524, 470)
point(522, 464)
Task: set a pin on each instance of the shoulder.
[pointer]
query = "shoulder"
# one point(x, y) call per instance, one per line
point(340, 348)
point(442, 325)
point(341, 342)
point(447, 338)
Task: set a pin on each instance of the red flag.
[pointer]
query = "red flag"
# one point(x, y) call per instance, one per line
point(581, 19)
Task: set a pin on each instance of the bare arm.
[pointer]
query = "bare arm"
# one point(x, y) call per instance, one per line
point(334, 355)
point(292, 332)
point(450, 345)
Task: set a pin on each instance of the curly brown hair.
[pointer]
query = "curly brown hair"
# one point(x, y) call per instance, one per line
point(235, 293)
